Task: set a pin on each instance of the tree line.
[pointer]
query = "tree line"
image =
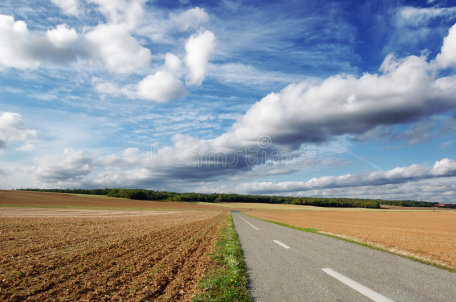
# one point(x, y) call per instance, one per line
point(142, 194)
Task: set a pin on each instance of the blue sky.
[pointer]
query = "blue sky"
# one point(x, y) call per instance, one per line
point(303, 98)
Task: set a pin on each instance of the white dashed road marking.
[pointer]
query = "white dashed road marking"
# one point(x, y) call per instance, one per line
point(250, 223)
point(281, 244)
point(374, 296)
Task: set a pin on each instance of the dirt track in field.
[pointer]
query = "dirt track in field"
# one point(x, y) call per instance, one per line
point(427, 234)
point(136, 258)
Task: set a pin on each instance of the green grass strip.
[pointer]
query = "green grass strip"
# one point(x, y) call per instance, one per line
point(371, 246)
point(227, 281)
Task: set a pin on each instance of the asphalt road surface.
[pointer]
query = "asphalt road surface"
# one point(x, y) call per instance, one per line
point(284, 264)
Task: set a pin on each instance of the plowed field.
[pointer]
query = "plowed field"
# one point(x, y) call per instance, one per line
point(136, 258)
point(427, 234)
point(44, 199)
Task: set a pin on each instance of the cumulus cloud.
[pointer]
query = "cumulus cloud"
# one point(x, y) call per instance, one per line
point(17, 44)
point(71, 166)
point(20, 48)
point(442, 168)
point(12, 128)
point(111, 44)
point(191, 18)
point(129, 169)
point(433, 189)
point(76, 168)
point(62, 36)
point(404, 91)
point(161, 87)
point(120, 52)
point(447, 56)
point(172, 62)
point(199, 48)
point(69, 7)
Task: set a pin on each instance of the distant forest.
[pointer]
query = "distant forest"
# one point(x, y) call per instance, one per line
point(141, 194)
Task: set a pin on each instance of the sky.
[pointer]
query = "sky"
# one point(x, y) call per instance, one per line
point(298, 98)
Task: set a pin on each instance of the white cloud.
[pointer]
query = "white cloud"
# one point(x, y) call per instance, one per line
point(20, 48)
point(62, 36)
point(199, 48)
point(191, 18)
point(13, 129)
point(69, 7)
point(121, 53)
point(447, 56)
point(111, 44)
point(172, 62)
point(71, 166)
point(128, 13)
point(404, 91)
point(161, 87)
point(433, 189)
point(78, 169)
point(443, 168)
point(16, 43)
point(75, 168)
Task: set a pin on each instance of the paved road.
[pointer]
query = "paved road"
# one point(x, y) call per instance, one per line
point(289, 265)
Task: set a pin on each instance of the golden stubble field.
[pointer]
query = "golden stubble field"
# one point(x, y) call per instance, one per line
point(73, 254)
point(426, 234)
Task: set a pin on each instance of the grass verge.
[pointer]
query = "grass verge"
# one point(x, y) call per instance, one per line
point(368, 245)
point(227, 281)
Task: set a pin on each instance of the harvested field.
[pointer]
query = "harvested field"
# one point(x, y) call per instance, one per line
point(43, 199)
point(427, 234)
point(156, 257)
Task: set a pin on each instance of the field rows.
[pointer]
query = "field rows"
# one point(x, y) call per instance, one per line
point(155, 258)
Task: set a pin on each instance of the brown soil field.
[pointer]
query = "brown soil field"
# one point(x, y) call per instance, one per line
point(53, 212)
point(426, 234)
point(155, 257)
point(36, 199)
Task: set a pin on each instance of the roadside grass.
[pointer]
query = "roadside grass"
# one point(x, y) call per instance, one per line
point(365, 244)
point(227, 281)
